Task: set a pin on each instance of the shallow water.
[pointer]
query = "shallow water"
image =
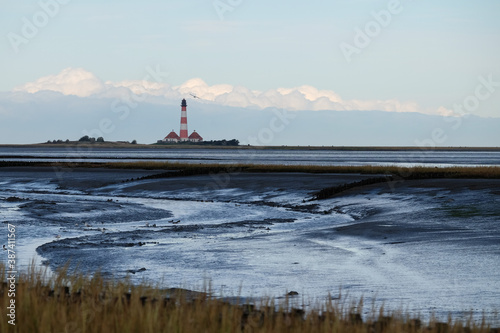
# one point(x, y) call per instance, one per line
point(424, 247)
point(252, 156)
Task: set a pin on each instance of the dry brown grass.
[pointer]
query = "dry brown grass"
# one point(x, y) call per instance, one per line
point(419, 172)
point(79, 303)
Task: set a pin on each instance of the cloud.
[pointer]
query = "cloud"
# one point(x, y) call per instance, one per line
point(446, 112)
point(71, 81)
point(79, 82)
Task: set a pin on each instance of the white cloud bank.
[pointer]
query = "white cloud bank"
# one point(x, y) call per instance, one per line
point(79, 82)
point(69, 82)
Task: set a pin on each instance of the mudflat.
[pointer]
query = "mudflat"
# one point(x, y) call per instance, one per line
point(431, 244)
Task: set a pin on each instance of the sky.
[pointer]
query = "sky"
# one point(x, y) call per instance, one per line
point(438, 58)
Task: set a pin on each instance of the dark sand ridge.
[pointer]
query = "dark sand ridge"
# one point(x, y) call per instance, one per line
point(475, 200)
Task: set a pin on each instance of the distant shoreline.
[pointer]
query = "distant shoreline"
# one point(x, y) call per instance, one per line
point(121, 145)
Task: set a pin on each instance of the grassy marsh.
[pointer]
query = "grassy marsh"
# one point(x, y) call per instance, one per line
point(82, 303)
point(418, 172)
point(403, 172)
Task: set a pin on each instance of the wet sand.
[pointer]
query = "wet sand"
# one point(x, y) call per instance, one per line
point(427, 245)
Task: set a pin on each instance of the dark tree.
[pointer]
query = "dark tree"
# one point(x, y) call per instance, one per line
point(84, 138)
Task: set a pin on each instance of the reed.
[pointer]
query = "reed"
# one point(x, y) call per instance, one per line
point(83, 303)
point(418, 172)
point(481, 171)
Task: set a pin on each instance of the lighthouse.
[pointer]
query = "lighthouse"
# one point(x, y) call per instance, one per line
point(173, 137)
point(184, 121)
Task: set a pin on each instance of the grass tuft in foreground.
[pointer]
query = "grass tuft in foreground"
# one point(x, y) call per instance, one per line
point(80, 303)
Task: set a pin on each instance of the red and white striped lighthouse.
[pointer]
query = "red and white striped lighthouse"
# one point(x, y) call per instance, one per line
point(184, 122)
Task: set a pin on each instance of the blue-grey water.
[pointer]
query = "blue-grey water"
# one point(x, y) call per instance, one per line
point(427, 247)
point(256, 156)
